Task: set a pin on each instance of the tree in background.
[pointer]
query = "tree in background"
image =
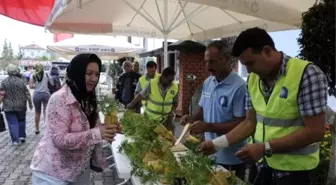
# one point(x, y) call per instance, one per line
point(44, 58)
point(5, 51)
point(317, 43)
point(19, 54)
point(114, 70)
point(7, 56)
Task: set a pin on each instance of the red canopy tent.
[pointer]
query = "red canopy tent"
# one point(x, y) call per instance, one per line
point(33, 12)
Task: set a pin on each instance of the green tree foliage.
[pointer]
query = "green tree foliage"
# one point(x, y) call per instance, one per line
point(19, 54)
point(318, 44)
point(7, 55)
point(317, 39)
point(44, 58)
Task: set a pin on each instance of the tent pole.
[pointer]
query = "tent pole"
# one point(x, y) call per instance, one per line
point(165, 51)
point(165, 33)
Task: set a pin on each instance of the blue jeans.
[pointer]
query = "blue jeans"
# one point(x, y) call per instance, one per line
point(16, 124)
point(40, 178)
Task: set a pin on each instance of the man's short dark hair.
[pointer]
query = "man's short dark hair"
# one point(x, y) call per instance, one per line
point(254, 38)
point(151, 64)
point(169, 71)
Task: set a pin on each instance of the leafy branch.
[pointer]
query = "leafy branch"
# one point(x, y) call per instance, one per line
point(107, 105)
point(153, 161)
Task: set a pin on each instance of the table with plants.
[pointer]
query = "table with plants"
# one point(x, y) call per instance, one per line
point(153, 157)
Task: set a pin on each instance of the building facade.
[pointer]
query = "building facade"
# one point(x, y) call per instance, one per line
point(33, 54)
point(36, 52)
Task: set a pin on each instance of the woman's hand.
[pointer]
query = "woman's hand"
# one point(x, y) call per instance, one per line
point(108, 132)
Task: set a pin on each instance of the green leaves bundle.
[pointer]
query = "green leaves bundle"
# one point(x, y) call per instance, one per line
point(196, 168)
point(107, 105)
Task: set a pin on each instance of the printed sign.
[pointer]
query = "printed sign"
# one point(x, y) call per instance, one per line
point(92, 49)
point(191, 77)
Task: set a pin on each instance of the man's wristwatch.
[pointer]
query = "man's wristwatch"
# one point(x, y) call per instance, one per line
point(268, 150)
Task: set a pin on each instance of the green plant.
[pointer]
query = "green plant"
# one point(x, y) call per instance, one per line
point(317, 44)
point(107, 105)
point(194, 167)
point(326, 144)
point(317, 39)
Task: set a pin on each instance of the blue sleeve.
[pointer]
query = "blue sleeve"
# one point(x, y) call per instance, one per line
point(239, 102)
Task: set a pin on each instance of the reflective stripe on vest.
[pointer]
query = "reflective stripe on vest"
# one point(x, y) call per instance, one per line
point(160, 103)
point(310, 149)
point(281, 116)
point(279, 122)
point(158, 107)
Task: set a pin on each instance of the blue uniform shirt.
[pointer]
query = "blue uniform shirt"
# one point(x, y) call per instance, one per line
point(221, 103)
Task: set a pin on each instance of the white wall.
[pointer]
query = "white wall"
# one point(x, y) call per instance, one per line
point(34, 53)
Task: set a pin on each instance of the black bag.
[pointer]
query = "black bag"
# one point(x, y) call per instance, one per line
point(56, 86)
point(2, 123)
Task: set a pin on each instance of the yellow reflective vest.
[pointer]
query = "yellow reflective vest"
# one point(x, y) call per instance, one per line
point(281, 116)
point(143, 83)
point(158, 107)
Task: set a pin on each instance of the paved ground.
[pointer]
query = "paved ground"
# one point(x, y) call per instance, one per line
point(15, 160)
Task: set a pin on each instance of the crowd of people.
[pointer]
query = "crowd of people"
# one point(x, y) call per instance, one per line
point(247, 124)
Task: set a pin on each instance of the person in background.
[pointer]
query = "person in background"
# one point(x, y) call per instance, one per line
point(285, 112)
point(40, 82)
point(136, 67)
point(162, 98)
point(15, 96)
point(144, 79)
point(126, 84)
point(72, 144)
point(54, 75)
point(26, 74)
point(221, 107)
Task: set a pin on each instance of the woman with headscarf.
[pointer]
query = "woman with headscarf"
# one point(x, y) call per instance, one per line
point(40, 82)
point(71, 146)
point(15, 95)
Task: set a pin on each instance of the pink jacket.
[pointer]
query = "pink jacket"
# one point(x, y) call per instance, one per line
point(67, 138)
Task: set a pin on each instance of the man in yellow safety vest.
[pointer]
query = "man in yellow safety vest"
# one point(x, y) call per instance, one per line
point(144, 79)
point(285, 112)
point(162, 98)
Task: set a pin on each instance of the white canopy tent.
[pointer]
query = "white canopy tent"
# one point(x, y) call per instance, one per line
point(107, 47)
point(175, 19)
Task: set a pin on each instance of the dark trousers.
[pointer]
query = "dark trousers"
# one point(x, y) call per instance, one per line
point(268, 176)
point(239, 169)
point(16, 124)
